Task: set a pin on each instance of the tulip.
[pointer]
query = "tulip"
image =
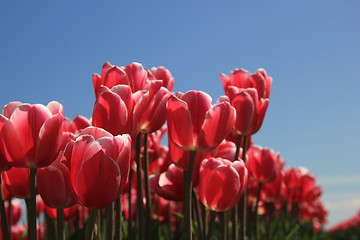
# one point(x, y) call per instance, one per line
point(31, 134)
point(241, 78)
point(194, 124)
point(118, 110)
point(54, 185)
point(77, 124)
point(230, 179)
point(161, 73)
point(169, 184)
point(17, 182)
point(99, 165)
point(263, 165)
point(154, 116)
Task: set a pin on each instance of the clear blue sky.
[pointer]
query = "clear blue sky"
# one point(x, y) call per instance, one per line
point(49, 50)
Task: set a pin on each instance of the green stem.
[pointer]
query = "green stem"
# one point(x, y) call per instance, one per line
point(90, 224)
point(32, 207)
point(60, 223)
point(235, 209)
point(188, 174)
point(110, 221)
point(268, 223)
point(117, 235)
point(139, 193)
point(49, 227)
point(211, 225)
point(129, 230)
point(4, 224)
point(256, 212)
point(225, 225)
point(197, 212)
point(147, 187)
point(243, 198)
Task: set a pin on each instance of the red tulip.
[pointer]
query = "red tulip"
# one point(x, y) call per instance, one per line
point(274, 191)
point(195, 125)
point(230, 179)
point(31, 134)
point(250, 111)
point(17, 182)
point(99, 166)
point(263, 165)
point(169, 184)
point(77, 124)
point(118, 110)
point(161, 73)
point(54, 185)
point(241, 78)
point(155, 114)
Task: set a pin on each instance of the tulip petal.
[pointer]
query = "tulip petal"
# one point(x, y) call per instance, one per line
point(95, 132)
point(55, 107)
point(110, 113)
point(245, 110)
point(198, 103)
point(49, 141)
point(99, 175)
point(179, 123)
point(10, 108)
point(10, 143)
point(137, 76)
point(218, 122)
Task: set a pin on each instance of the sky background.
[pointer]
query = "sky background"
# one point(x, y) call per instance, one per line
point(50, 49)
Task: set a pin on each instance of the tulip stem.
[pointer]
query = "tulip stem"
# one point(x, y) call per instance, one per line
point(129, 230)
point(4, 225)
point(243, 198)
point(32, 207)
point(118, 218)
point(269, 221)
point(197, 212)
point(147, 187)
point(60, 223)
point(256, 212)
point(211, 224)
point(188, 174)
point(110, 221)
point(235, 209)
point(89, 231)
point(139, 192)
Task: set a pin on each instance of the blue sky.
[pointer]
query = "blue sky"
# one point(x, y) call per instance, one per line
point(49, 50)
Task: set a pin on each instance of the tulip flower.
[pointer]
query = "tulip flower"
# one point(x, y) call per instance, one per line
point(169, 184)
point(161, 73)
point(194, 124)
point(241, 78)
point(263, 165)
point(154, 116)
point(54, 185)
point(17, 182)
point(230, 179)
point(118, 110)
point(99, 165)
point(78, 123)
point(31, 134)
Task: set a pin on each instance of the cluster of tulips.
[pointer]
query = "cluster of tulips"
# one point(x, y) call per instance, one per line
point(111, 177)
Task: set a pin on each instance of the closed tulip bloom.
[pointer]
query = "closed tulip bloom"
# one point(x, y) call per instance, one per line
point(169, 184)
point(110, 77)
point(17, 182)
point(99, 165)
point(250, 110)
point(194, 124)
point(154, 116)
point(118, 110)
point(54, 185)
point(31, 134)
point(222, 183)
point(241, 78)
point(161, 73)
point(263, 164)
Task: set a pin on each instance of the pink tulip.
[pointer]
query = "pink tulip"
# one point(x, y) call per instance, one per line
point(31, 134)
point(99, 165)
point(194, 124)
point(222, 183)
